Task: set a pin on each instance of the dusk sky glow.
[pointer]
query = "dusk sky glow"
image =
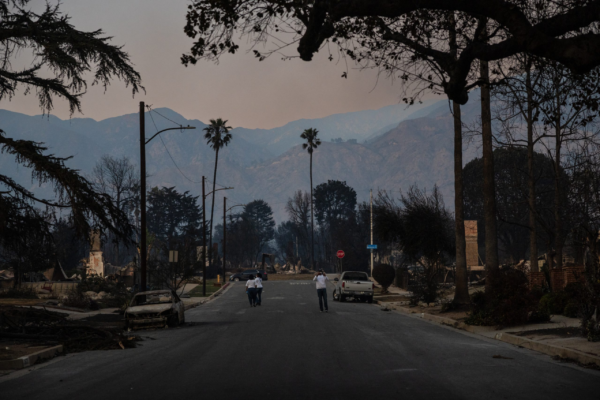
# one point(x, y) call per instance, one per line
point(241, 89)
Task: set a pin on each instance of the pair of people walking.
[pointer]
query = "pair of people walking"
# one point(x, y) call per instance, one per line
point(254, 289)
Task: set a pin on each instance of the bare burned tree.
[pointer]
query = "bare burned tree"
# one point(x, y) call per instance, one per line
point(117, 178)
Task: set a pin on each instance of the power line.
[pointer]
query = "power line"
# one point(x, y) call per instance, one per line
point(168, 152)
point(176, 123)
point(170, 156)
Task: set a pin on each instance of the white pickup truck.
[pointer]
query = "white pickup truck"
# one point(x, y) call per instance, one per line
point(353, 284)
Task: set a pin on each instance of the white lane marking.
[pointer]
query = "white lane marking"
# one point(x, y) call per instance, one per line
point(241, 312)
point(300, 283)
point(275, 298)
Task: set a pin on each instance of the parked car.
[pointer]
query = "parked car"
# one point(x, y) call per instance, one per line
point(353, 284)
point(155, 308)
point(243, 276)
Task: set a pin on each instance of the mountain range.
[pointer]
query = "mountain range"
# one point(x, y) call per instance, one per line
point(393, 148)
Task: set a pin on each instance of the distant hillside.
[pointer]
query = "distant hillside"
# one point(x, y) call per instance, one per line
point(417, 150)
point(359, 125)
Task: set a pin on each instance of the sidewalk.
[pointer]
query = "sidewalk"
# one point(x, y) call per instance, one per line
point(192, 302)
point(556, 338)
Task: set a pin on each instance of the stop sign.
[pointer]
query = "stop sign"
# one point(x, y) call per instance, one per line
point(340, 254)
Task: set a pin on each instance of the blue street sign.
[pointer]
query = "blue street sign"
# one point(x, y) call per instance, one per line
point(372, 246)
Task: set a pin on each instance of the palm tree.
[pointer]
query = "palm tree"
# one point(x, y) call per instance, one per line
point(217, 136)
point(312, 142)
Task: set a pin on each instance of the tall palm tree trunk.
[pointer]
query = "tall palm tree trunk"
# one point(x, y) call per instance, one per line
point(212, 212)
point(312, 220)
point(461, 293)
point(489, 184)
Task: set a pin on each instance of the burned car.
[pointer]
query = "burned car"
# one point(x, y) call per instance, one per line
point(156, 308)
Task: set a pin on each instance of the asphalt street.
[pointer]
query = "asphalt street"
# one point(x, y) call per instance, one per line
point(287, 349)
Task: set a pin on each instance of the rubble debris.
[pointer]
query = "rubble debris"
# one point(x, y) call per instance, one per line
point(502, 357)
point(41, 325)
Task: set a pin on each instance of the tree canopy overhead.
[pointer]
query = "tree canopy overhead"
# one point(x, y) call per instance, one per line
point(61, 59)
point(57, 47)
point(562, 30)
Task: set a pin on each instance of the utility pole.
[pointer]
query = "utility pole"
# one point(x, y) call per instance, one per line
point(371, 196)
point(143, 143)
point(143, 257)
point(203, 239)
point(224, 235)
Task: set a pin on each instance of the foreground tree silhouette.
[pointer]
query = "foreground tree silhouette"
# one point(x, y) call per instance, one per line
point(565, 32)
point(312, 142)
point(63, 56)
point(217, 136)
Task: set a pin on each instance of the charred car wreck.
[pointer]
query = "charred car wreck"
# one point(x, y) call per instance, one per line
point(157, 308)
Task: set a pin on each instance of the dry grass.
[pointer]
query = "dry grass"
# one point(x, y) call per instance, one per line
point(20, 302)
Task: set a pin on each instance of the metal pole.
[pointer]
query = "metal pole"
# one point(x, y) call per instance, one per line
point(371, 195)
point(143, 255)
point(203, 240)
point(224, 235)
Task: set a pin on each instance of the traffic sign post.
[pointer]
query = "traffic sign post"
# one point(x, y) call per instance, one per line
point(340, 254)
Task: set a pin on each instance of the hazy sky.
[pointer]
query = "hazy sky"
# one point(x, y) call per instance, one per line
point(241, 89)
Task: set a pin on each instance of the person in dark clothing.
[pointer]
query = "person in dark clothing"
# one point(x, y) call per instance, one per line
point(259, 288)
point(251, 290)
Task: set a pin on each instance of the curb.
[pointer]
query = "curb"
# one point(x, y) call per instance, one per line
point(30, 359)
point(548, 349)
point(447, 321)
point(209, 298)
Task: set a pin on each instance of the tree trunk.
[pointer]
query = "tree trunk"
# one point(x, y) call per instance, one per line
point(461, 294)
point(489, 186)
point(117, 239)
point(212, 211)
point(312, 220)
point(558, 242)
point(533, 250)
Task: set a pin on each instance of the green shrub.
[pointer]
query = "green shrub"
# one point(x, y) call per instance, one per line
point(571, 310)
point(539, 315)
point(384, 274)
point(593, 330)
point(509, 302)
point(76, 299)
point(19, 293)
point(553, 303)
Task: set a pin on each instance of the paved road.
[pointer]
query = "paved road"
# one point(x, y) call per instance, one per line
point(287, 349)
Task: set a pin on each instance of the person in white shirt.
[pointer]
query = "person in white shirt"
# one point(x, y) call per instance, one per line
point(259, 288)
point(251, 290)
point(321, 279)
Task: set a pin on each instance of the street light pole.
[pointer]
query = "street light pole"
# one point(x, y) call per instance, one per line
point(224, 237)
point(371, 195)
point(142, 198)
point(203, 240)
point(225, 231)
point(204, 196)
point(143, 143)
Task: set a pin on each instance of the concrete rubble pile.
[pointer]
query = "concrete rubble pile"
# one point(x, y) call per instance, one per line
point(42, 326)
